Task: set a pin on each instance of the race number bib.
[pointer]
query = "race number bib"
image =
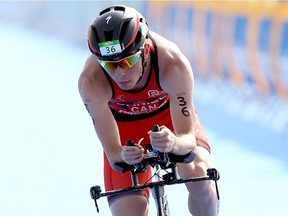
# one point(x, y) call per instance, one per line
point(110, 48)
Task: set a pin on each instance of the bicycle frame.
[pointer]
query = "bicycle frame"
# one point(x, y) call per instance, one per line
point(159, 195)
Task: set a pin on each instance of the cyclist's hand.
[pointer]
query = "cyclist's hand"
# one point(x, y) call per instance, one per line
point(132, 154)
point(163, 140)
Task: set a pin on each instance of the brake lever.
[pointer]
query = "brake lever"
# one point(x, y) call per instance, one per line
point(163, 157)
point(95, 193)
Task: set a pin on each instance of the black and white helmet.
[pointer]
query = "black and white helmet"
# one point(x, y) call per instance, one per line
point(117, 32)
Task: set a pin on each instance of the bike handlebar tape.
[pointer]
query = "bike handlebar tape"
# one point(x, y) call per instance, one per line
point(156, 128)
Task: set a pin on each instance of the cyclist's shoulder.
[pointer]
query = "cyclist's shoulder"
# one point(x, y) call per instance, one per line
point(169, 54)
point(90, 67)
point(92, 79)
point(173, 64)
point(165, 47)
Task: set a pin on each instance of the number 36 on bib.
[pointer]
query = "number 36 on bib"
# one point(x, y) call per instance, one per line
point(110, 48)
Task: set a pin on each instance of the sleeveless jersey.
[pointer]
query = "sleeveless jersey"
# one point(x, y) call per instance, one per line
point(143, 103)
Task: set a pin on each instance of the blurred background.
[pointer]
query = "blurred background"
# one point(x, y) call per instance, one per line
point(49, 153)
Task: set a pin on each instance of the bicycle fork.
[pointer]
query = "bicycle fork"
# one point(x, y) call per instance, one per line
point(160, 198)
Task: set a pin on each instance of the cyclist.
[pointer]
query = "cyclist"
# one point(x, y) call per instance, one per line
point(134, 79)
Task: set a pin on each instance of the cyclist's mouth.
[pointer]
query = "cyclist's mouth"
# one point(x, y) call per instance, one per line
point(124, 83)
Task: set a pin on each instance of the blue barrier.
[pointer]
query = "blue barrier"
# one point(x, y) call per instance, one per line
point(242, 42)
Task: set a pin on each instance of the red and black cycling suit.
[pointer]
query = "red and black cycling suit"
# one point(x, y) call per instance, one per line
point(136, 112)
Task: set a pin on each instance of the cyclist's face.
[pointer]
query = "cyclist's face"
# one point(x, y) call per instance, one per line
point(125, 72)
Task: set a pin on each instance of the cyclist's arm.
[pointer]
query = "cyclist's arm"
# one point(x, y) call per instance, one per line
point(95, 92)
point(176, 78)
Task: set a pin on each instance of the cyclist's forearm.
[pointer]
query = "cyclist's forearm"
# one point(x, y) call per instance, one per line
point(113, 156)
point(184, 144)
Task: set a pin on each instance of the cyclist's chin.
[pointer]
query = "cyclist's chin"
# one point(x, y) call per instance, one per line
point(127, 85)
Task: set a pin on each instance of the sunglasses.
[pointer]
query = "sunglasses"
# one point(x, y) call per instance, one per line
point(125, 63)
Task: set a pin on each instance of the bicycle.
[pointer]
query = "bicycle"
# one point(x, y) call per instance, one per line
point(159, 161)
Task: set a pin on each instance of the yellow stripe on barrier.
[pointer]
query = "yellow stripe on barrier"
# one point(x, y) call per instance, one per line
point(233, 62)
point(274, 60)
point(253, 57)
point(216, 58)
point(199, 36)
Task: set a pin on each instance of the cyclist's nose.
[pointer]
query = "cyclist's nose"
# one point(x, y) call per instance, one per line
point(120, 71)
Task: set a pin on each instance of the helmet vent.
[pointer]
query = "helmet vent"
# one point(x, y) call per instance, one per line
point(94, 33)
point(119, 8)
point(104, 11)
point(138, 38)
point(123, 30)
point(108, 35)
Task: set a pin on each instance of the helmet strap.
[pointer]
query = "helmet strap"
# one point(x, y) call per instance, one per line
point(144, 64)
